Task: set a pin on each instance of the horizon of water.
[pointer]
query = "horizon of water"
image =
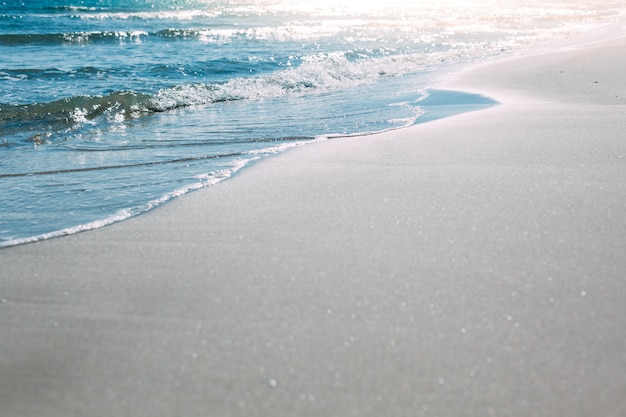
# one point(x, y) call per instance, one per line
point(109, 108)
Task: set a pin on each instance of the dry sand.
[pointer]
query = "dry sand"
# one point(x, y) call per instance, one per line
point(471, 266)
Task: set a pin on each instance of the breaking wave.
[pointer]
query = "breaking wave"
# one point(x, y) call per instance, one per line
point(318, 73)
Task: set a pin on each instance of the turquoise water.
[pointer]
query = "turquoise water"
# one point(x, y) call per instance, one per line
point(111, 108)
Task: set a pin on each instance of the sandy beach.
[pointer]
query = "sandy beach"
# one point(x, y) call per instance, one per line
point(470, 266)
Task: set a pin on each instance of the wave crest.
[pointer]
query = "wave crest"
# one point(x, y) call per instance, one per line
point(316, 74)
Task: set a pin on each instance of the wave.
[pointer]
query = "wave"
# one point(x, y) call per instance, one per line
point(187, 14)
point(122, 166)
point(317, 73)
point(202, 181)
point(216, 68)
point(71, 37)
point(124, 12)
point(71, 110)
point(209, 35)
point(203, 35)
point(20, 74)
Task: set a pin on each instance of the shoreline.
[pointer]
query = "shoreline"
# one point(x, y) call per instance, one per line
point(472, 265)
point(462, 103)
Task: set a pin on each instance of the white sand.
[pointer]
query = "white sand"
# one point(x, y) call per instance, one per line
point(472, 266)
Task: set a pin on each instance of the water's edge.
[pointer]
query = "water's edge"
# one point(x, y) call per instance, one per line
point(438, 104)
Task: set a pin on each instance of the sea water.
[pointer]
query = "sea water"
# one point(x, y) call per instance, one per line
point(110, 108)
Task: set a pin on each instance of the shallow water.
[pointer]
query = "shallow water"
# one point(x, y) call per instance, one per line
point(110, 108)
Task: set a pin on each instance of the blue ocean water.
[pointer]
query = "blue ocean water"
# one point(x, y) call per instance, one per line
point(109, 108)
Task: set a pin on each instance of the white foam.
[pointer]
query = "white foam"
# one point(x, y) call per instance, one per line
point(165, 14)
point(204, 180)
point(319, 73)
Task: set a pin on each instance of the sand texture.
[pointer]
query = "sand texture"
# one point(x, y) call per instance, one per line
point(471, 266)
